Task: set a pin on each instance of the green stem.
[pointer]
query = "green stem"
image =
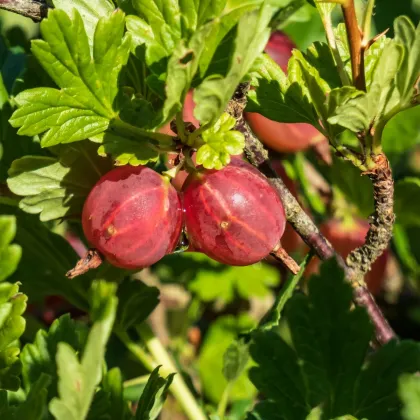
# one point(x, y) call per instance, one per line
point(135, 349)
point(326, 20)
point(367, 21)
point(347, 154)
point(179, 120)
point(192, 136)
point(155, 139)
point(272, 317)
point(140, 380)
point(221, 408)
point(178, 388)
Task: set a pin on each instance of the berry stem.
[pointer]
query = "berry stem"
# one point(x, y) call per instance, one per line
point(280, 254)
point(300, 221)
point(178, 388)
point(35, 10)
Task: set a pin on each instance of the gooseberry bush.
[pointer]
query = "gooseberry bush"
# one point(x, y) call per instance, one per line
point(209, 209)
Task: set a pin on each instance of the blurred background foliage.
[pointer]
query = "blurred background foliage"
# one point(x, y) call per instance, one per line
point(205, 305)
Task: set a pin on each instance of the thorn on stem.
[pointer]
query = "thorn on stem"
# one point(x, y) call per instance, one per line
point(92, 259)
point(374, 39)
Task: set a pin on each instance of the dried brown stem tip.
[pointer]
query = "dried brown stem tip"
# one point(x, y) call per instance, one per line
point(91, 260)
point(280, 254)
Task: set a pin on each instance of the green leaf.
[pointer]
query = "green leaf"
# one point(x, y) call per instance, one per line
point(136, 302)
point(409, 36)
point(235, 360)
point(327, 365)
point(90, 11)
point(125, 151)
point(219, 337)
point(277, 98)
point(319, 56)
point(210, 280)
point(212, 96)
point(46, 257)
point(12, 64)
point(112, 384)
point(315, 88)
point(404, 248)
point(266, 410)
point(164, 18)
point(34, 406)
point(88, 81)
point(406, 205)
point(55, 188)
point(182, 66)
point(359, 112)
point(340, 96)
point(409, 392)
point(273, 316)
point(77, 380)
point(13, 146)
point(316, 414)
point(305, 94)
point(356, 113)
point(38, 358)
point(100, 406)
point(356, 189)
point(400, 135)
point(372, 55)
point(220, 143)
point(9, 254)
point(153, 396)
point(377, 389)
point(12, 326)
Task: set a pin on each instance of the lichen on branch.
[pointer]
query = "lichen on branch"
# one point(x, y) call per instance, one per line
point(381, 221)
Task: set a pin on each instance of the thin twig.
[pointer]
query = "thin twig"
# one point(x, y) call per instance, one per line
point(301, 222)
point(35, 10)
point(355, 45)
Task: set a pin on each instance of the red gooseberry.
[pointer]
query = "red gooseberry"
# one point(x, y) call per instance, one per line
point(133, 216)
point(233, 215)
